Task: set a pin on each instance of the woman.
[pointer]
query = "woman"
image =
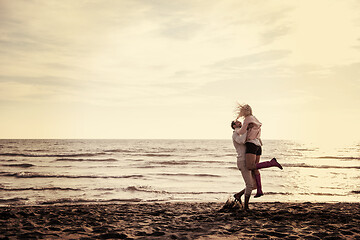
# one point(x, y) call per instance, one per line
point(253, 145)
point(239, 144)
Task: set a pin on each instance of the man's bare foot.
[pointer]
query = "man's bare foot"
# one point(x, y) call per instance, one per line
point(237, 197)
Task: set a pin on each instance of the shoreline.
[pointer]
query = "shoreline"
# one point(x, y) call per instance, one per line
point(253, 201)
point(181, 220)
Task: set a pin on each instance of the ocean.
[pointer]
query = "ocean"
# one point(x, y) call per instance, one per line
point(36, 172)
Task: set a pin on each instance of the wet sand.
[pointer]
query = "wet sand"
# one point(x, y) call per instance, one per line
point(182, 221)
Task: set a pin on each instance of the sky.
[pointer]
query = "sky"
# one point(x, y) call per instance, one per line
point(145, 69)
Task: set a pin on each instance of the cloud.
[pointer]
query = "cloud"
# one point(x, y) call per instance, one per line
point(266, 57)
point(24, 92)
point(180, 29)
point(271, 35)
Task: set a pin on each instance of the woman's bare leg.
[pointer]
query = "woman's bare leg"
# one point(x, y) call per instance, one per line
point(259, 191)
point(257, 158)
point(254, 179)
point(250, 163)
point(246, 206)
point(251, 160)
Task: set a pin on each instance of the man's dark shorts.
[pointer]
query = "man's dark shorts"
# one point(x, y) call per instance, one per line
point(253, 148)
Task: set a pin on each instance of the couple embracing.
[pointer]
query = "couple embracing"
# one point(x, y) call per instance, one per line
point(247, 142)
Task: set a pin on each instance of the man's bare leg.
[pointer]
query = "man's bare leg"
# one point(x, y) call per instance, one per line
point(247, 199)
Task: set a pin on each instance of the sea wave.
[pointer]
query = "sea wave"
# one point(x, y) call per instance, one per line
point(222, 155)
point(189, 175)
point(85, 160)
point(339, 158)
point(70, 200)
point(40, 175)
point(12, 200)
point(119, 150)
point(211, 161)
point(279, 193)
point(304, 149)
point(39, 189)
point(322, 194)
point(304, 165)
point(170, 162)
point(20, 165)
point(104, 189)
point(52, 155)
point(156, 155)
point(143, 189)
point(151, 190)
point(64, 200)
point(140, 153)
point(35, 150)
point(186, 162)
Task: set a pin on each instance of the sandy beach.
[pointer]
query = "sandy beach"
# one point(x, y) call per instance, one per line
point(182, 220)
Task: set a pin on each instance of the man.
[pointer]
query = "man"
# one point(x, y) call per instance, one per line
point(239, 144)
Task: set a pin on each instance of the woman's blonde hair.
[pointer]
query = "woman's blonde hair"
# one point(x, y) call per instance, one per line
point(243, 110)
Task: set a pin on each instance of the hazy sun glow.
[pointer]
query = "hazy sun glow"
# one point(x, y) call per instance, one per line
point(175, 69)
